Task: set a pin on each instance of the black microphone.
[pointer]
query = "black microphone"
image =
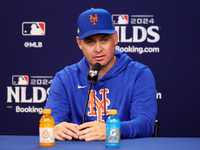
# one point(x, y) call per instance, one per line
point(93, 77)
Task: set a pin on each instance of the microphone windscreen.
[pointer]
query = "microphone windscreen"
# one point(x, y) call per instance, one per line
point(97, 67)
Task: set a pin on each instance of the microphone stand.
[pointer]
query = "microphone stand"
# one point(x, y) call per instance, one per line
point(87, 103)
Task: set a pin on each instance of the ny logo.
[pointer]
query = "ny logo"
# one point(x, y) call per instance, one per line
point(94, 19)
point(94, 101)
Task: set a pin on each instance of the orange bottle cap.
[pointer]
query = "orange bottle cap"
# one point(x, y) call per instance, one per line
point(47, 111)
point(112, 112)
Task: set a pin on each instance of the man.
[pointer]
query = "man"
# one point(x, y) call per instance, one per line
point(124, 84)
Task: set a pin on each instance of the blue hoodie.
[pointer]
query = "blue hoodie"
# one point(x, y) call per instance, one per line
point(128, 86)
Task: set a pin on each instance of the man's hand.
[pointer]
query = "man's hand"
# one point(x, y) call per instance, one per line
point(65, 130)
point(92, 131)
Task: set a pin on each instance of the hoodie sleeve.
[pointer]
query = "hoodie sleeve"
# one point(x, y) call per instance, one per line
point(58, 100)
point(143, 107)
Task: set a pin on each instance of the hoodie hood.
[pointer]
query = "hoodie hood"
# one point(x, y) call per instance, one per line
point(122, 61)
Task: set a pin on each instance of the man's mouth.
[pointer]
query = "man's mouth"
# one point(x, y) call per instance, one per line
point(98, 58)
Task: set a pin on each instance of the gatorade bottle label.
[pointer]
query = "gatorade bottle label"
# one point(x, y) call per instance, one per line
point(46, 135)
point(113, 135)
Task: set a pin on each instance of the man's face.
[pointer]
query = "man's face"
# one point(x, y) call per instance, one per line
point(99, 48)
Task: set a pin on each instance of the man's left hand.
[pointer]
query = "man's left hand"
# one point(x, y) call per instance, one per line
point(92, 131)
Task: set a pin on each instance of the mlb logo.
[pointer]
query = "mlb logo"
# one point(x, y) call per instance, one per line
point(33, 28)
point(93, 73)
point(20, 80)
point(120, 19)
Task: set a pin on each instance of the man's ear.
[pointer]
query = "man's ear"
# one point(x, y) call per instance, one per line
point(115, 37)
point(79, 42)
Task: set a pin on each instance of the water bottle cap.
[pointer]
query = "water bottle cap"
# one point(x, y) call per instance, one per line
point(112, 111)
point(47, 111)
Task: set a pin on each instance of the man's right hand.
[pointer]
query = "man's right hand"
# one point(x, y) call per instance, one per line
point(65, 130)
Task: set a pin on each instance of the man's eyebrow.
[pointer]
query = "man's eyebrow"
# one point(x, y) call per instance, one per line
point(87, 38)
point(90, 37)
point(105, 35)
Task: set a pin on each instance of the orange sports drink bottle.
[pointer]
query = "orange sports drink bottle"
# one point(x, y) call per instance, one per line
point(46, 129)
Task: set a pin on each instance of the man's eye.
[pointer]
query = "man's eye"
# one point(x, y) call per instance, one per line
point(90, 42)
point(104, 40)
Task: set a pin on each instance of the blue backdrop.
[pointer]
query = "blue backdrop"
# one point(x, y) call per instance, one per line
point(163, 35)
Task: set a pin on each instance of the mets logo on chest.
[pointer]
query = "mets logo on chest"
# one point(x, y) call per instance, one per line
point(99, 104)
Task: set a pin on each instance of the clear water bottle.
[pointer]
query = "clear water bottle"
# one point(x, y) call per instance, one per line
point(113, 132)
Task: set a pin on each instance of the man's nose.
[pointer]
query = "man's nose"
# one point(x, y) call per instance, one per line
point(98, 47)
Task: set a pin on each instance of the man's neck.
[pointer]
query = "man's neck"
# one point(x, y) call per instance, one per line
point(105, 69)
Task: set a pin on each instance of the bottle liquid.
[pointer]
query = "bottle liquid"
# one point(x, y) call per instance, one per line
point(46, 129)
point(113, 132)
